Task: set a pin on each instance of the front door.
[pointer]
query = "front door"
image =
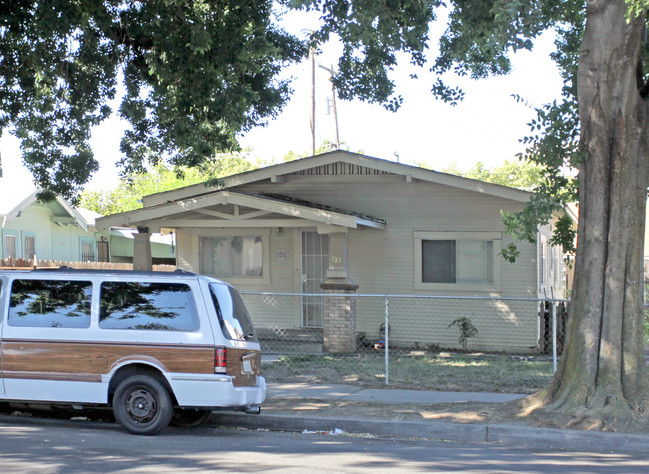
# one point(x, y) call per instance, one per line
point(315, 261)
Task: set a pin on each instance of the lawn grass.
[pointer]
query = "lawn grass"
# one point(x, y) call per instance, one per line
point(462, 373)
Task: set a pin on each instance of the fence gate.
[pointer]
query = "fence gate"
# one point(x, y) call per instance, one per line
point(315, 261)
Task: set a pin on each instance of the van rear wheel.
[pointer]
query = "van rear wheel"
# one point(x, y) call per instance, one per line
point(189, 417)
point(142, 405)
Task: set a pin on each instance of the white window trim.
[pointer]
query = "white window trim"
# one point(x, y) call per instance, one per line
point(494, 237)
point(265, 243)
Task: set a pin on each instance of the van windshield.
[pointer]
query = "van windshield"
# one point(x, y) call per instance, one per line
point(233, 316)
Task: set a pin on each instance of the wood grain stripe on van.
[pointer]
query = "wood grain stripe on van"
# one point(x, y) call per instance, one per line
point(53, 376)
point(70, 360)
point(235, 361)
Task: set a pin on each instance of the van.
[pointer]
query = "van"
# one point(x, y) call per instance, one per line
point(156, 347)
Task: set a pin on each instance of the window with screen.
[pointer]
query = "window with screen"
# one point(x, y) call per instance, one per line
point(232, 256)
point(456, 259)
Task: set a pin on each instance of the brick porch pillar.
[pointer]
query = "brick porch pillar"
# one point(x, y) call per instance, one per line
point(339, 324)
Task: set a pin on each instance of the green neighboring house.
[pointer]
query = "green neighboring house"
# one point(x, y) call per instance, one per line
point(58, 231)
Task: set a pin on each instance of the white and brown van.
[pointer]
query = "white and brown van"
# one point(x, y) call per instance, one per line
point(158, 347)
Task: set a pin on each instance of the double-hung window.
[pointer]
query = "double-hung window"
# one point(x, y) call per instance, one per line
point(457, 260)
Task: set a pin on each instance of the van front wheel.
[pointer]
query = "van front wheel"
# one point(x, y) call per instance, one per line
point(142, 405)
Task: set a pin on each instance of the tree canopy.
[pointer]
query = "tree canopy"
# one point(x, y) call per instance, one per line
point(515, 174)
point(127, 196)
point(195, 73)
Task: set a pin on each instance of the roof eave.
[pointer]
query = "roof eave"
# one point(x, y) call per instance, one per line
point(140, 217)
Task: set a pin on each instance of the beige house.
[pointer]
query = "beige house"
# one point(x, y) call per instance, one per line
point(347, 223)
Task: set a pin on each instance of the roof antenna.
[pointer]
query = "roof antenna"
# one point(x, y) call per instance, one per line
point(397, 155)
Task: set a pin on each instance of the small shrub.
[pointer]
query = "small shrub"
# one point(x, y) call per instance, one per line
point(466, 328)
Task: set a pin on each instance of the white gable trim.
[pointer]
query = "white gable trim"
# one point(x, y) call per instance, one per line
point(73, 212)
point(173, 212)
point(31, 199)
point(275, 174)
point(24, 204)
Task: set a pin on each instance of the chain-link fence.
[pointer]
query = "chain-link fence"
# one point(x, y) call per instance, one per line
point(398, 337)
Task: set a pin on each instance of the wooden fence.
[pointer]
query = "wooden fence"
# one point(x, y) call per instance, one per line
point(26, 264)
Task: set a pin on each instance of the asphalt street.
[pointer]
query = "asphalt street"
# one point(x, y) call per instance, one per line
point(31, 444)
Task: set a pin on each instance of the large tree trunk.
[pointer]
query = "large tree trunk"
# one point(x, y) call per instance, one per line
point(602, 377)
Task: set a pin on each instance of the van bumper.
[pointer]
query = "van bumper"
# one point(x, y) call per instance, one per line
point(216, 391)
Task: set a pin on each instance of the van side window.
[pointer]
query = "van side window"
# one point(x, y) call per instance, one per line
point(50, 303)
point(135, 305)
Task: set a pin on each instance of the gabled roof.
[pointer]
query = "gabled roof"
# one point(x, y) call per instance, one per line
point(320, 163)
point(238, 209)
point(65, 212)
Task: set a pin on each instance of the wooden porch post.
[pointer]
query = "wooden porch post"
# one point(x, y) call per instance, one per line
point(142, 260)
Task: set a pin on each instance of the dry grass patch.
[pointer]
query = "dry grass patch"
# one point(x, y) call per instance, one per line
point(460, 373)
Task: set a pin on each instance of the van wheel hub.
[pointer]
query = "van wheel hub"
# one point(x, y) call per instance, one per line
point(141, 405)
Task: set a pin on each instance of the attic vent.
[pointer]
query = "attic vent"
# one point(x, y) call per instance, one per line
point(339, 169)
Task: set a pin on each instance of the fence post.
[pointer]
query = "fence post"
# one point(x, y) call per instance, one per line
point(387, 340)
point(554, 335)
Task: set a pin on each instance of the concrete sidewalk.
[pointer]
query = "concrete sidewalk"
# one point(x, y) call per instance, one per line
point(380, 395)
point(305, 398)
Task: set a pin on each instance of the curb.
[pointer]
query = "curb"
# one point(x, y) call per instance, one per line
point(510, 435)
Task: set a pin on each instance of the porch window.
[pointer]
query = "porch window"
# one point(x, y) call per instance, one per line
point(232, 256)
point(456, 260)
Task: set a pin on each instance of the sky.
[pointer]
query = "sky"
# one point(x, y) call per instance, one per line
point(486, 126)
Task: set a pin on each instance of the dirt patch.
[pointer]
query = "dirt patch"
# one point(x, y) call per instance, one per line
point(464, 412)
